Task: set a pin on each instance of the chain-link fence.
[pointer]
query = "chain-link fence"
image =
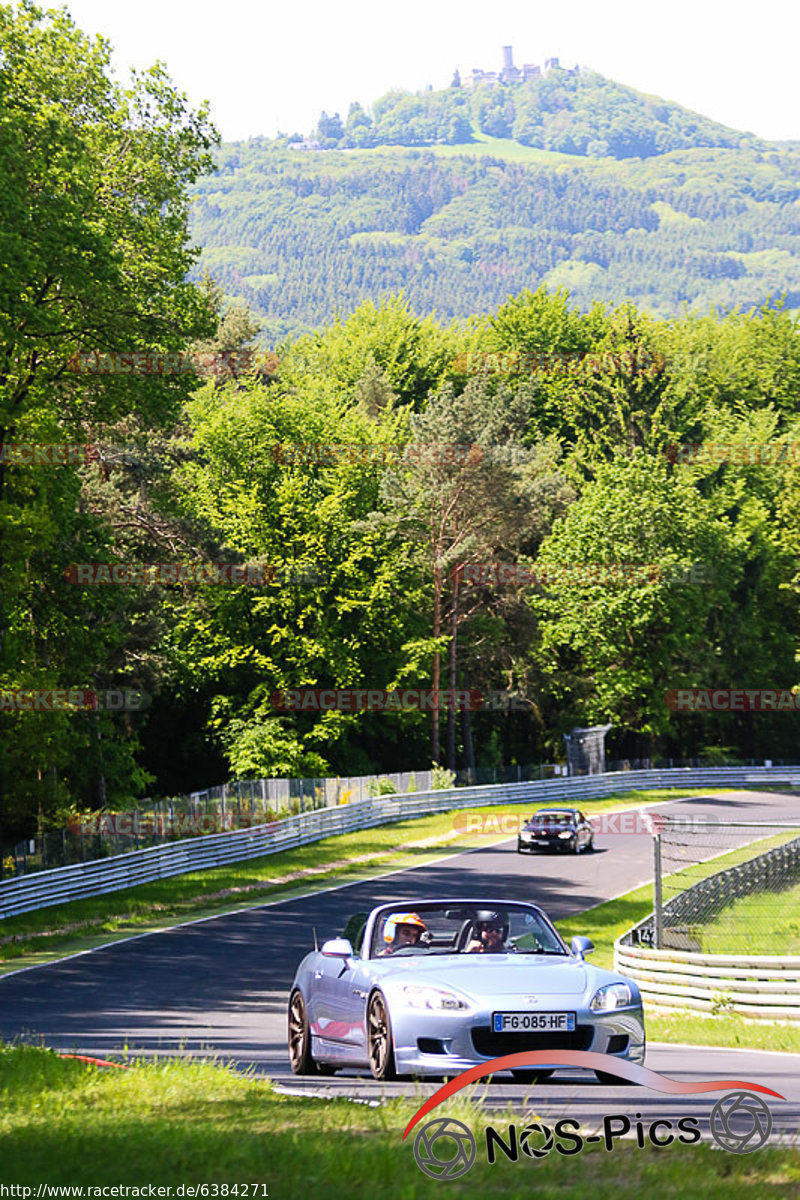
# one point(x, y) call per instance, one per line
point(239, 805)
point(725, 887)
point(248, 802)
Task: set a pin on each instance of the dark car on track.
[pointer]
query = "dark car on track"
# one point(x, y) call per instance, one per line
point(564, 829)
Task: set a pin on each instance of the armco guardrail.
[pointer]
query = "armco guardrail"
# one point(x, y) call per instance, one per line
point(58, 886)
point(765, 987)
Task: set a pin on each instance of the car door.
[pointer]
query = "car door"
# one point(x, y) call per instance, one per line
point(339, 1006)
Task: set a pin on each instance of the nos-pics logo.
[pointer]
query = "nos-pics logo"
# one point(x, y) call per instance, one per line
point(446, 1149)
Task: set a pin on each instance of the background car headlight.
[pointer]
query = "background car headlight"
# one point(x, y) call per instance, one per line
point(429, 997)
point(613, 995)
point(566, 833)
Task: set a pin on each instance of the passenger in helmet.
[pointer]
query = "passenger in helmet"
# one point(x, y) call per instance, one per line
point(401, 930)
point(490, 932)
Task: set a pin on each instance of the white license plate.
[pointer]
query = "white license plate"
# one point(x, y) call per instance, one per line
point(528, 1022)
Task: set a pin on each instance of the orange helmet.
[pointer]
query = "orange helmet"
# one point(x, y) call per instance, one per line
point(406, 918)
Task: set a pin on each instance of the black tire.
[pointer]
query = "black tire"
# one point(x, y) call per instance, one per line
point(590, 847)
point(300, 1058)
point(379, 1039)
point(531, 1076)
point(573, 846)
point(612, 1080)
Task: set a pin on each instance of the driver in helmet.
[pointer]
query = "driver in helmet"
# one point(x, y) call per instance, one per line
point(401, 930)
point(490, 932)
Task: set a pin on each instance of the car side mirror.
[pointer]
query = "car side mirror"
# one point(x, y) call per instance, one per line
point(581, 946)
point(337, 948)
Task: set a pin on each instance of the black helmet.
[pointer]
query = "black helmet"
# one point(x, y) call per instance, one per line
point(491, 916)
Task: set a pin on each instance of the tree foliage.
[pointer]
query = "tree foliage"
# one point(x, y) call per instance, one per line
point(550, 438)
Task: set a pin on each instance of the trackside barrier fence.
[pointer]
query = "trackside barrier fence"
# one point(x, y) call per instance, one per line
point(676, 973)
point(47, 888)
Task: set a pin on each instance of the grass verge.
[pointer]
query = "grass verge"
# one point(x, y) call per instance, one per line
point(698, 1029)
point(757, 924)
point(68, 1123)
point(84, 924)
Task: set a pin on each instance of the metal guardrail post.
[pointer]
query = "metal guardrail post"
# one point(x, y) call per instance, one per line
point(657, 911)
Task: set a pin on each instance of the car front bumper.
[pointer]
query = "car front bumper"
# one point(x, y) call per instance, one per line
point(428, 1043)
point(534, 843)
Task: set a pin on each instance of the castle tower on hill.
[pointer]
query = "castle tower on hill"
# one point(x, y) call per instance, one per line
point(511, 74)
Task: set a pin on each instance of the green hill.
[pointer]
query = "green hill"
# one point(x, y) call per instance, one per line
point(570, 112)
point(460, 225)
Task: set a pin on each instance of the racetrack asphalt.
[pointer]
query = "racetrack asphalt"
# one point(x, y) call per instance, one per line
point(219, 986)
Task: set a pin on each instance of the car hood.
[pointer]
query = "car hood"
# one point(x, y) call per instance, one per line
point(491, 975)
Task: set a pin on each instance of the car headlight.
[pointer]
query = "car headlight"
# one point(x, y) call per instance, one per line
point(430, 997)
point(613, 995)
point(566, 833)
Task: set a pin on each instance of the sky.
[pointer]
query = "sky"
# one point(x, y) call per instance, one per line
point(267, 67)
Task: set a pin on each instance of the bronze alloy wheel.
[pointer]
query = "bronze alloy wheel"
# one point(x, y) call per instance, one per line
point(299, 1037)
point(379, 1039)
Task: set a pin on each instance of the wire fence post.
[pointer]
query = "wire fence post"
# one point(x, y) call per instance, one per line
point(657, 911)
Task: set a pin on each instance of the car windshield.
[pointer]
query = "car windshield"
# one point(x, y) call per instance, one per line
point(556, 818)
point(461, 928)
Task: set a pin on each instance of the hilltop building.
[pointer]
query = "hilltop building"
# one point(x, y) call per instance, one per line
point(511, 74)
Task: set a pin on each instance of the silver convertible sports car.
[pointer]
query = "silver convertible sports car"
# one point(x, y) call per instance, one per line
point(436, 988)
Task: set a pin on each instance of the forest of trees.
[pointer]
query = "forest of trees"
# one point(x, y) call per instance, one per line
point(567, 424)
point(300, 236)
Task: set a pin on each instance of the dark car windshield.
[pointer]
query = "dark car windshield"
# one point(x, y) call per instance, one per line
point(461, 928)
point(559, 818)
